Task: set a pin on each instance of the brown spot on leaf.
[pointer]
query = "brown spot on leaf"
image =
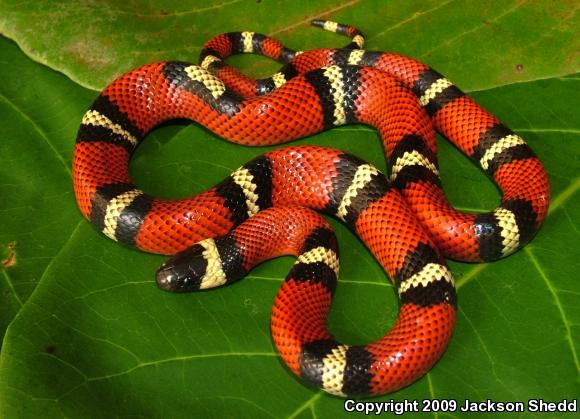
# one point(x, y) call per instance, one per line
point(573, 59)
point(10, 260)
point(50, 349)
point(89, 53)
point(519, 68)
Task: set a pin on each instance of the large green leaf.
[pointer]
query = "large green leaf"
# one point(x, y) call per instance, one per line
point(97, 338)
point(478, 44)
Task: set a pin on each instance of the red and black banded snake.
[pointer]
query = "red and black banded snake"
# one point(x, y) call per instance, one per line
point(408, 225)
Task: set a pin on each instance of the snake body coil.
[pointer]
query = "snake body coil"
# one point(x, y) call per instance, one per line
point(501, 153)
point(223, 232)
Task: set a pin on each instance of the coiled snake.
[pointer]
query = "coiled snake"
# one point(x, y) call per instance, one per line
point(264, 208)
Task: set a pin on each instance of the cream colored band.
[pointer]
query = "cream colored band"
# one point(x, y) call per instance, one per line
point(333, 372)
point(96, 118)
point(214, 274)
point(431, 272)
point(209, 60)
point(359, 40)
point(506, 142)
point(433, 90)
point(211, 82)
point(245, 179)
point(362, 177)
point(413, 158)
point(355, 56)
point(510, 232)
point(279, 79)
point(247, 38)
point(334, 76)
point(114, 209)
point(330, 26)
point(320, 254)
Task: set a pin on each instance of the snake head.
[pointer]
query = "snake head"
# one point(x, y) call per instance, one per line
point(184, 271)
point(207, 264)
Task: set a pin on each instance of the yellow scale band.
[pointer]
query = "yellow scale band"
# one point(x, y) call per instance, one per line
point(362, 177)
point(412, 158)
point(320, 254)
point(359, 40)
point(334, 76)
point(207, 61)
point(114, 209)
point(278, 79)
point(333, 370)
point(330, 26)
point(247, 40)
point(506, 142)
point(244, 179)
point(434, 90)
point(355, 56)
point(509, 230)
point(211, 82)
point(214, 274)
point(97, 119)
point(431, 272)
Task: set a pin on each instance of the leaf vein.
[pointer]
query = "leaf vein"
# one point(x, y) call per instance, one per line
point(550, 286)
point(11, 287)
point(413, 17)
point(472, 30)
point(305, 405)
point(431, 392)
point(563, 196)
point(485, 349)
point(182, 358)
point(39, 131)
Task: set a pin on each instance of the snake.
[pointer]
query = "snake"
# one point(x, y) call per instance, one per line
point(265, 208)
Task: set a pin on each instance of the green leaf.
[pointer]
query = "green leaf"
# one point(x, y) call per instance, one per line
point(97, 338)
point(40, 112)
point(477, 44)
